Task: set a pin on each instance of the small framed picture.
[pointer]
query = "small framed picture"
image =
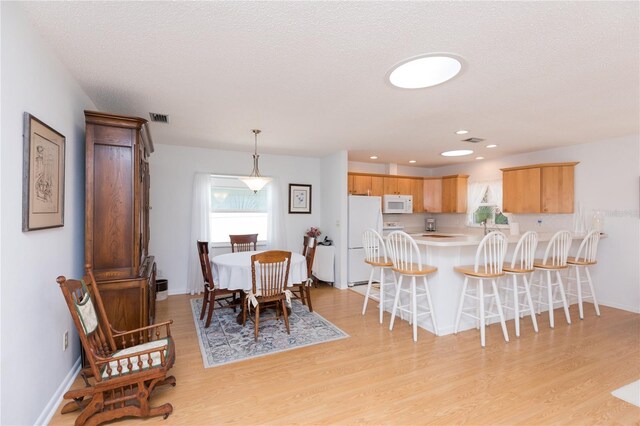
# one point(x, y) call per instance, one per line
point(42, 176)
point(299, 198)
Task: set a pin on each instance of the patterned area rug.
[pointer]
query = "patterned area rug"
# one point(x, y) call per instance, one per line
point(226, 341)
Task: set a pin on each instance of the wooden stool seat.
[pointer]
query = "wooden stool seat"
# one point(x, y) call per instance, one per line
point(469, 270)
point(416, 270)
point(539, 264)
point(516, 270)
point(581, 262)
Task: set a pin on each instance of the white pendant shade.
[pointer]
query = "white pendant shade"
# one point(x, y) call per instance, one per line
point(255, 183)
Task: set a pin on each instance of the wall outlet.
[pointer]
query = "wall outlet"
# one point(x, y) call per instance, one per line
point(65, 340)
point(539, 222)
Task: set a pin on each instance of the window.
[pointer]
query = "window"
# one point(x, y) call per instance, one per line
point(235, 209)
point(485, 204)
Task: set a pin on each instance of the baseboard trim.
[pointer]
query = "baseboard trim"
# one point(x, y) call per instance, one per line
point(629, 308)
point(50, 409)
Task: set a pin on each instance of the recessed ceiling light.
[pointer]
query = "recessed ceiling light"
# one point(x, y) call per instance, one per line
point(479, 158)
point(462, 132)
point(374, 157)
point(412, 161)
point(492, 145)
point(456, 153)
point(425, 70)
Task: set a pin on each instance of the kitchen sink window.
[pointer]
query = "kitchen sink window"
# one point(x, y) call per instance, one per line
point(485, 204)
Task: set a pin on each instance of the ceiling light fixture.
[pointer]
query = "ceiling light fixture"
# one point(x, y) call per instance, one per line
point(492, 145)
point(374, 157)
point(425, 70)
point(462, 132)
point(479, 158)
point(456, 153)
point(254, 181)
point(412, 161)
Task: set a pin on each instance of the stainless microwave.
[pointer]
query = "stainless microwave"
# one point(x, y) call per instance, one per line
point(397, 204)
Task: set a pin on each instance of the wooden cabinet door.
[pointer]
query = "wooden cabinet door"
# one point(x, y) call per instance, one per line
point(557, 189)
point(432, 197)
point(390, 185)
point(417, 190)
point(405, 186)
point(377, 186)
point(448, 195)
point(521, 190)
point(361, 185)
point(454, 194)
point(350, 179)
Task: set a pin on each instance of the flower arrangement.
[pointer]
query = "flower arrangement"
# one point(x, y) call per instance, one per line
point(313, 232)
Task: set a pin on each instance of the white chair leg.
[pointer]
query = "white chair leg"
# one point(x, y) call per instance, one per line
point(516, 305)
point(395, 303)
point(433, 315)
point(366, 296)
point(414, 308)
point(500, 313)
point(579, 291)
point(464, 290)
point(531, 311)
point(550, 299)
point(381, 294)
point(480, 292)
point(564, 297)
point(539, 287)
point(593, 293)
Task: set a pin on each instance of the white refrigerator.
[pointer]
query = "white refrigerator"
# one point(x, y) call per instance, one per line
point(364, 213)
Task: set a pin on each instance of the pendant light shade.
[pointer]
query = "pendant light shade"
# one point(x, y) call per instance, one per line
point(254, 181)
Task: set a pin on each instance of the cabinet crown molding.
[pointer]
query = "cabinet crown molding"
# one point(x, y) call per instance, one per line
point(536, 166)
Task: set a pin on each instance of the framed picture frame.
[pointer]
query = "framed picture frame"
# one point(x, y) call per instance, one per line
point(299, 198)
point(42, 175)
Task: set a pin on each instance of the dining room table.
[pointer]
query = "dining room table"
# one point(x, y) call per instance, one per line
point(232, 271)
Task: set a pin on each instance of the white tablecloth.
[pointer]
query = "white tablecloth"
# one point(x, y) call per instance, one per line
point(233, 270)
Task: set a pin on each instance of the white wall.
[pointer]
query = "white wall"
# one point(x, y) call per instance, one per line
point(172, 171)
point(34, 315)
point(384, 169)
point(606, 179)
point(334, 215)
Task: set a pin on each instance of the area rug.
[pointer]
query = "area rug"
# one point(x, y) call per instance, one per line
point(226, 341)
point(629, 393)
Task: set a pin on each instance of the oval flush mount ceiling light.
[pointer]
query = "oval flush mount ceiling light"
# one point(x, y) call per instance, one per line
point(462, 132)
point(412, 161)
point(374, 157)
point(425, 70)
point(456, 153)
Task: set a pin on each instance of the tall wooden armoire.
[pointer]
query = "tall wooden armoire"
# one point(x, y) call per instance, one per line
point(117, 217)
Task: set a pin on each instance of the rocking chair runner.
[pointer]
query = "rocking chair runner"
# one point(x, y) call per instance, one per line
point(118, 382)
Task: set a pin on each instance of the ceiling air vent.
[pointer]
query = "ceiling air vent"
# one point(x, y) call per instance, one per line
point(472, 140)
point(159, 118)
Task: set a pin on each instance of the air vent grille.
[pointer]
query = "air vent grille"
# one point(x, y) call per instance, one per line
point(473, 140)
point(159, 118)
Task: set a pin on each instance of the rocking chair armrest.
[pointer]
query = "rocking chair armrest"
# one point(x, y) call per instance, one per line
point(148, 327)
point(123, 362)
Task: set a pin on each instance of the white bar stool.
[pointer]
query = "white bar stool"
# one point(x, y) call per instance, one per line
point(407, 262)
point(555, 260)
point(521, 265)
point(488, 266)
point(375, 254)
point(585, 257)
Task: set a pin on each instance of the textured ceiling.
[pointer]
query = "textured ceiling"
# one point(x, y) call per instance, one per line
point(311, 75)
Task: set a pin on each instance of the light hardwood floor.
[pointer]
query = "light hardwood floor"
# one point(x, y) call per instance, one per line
point(377, 376)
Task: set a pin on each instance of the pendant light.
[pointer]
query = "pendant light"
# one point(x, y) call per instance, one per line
point(254, 181)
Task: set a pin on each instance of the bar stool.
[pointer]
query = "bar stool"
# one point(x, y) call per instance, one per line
point(488, 266)
point(407, 262)
point(585, 257)
point(521, 265)
point(555, 260)
point(375, 254)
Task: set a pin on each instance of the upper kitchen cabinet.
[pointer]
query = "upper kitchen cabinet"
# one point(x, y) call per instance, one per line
point(418, 195)
point(379, 185)
point(538, 188)
point(432, 195)
point(454, 194)
point(397, 185)
point(363, 184)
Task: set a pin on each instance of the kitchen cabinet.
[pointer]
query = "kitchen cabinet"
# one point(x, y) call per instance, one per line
point(454, 194)
point(418, 195)
point(363, 184)
point(538, 188)
point(432, 194)
point(117, 217)
point(397, 185)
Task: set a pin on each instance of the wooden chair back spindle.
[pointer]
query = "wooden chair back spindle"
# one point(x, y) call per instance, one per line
point(245, 242)
point(309, 252)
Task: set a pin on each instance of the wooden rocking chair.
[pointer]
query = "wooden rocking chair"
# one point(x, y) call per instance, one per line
point(119, 381)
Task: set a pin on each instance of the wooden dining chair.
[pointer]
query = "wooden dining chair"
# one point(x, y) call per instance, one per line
point(213, 295)
point(302, 290)
point(124, 367)
point(269, 276)
point(245, 242)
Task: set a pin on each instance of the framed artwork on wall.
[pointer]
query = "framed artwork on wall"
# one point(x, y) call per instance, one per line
point(299, 198)
point(42, 176)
